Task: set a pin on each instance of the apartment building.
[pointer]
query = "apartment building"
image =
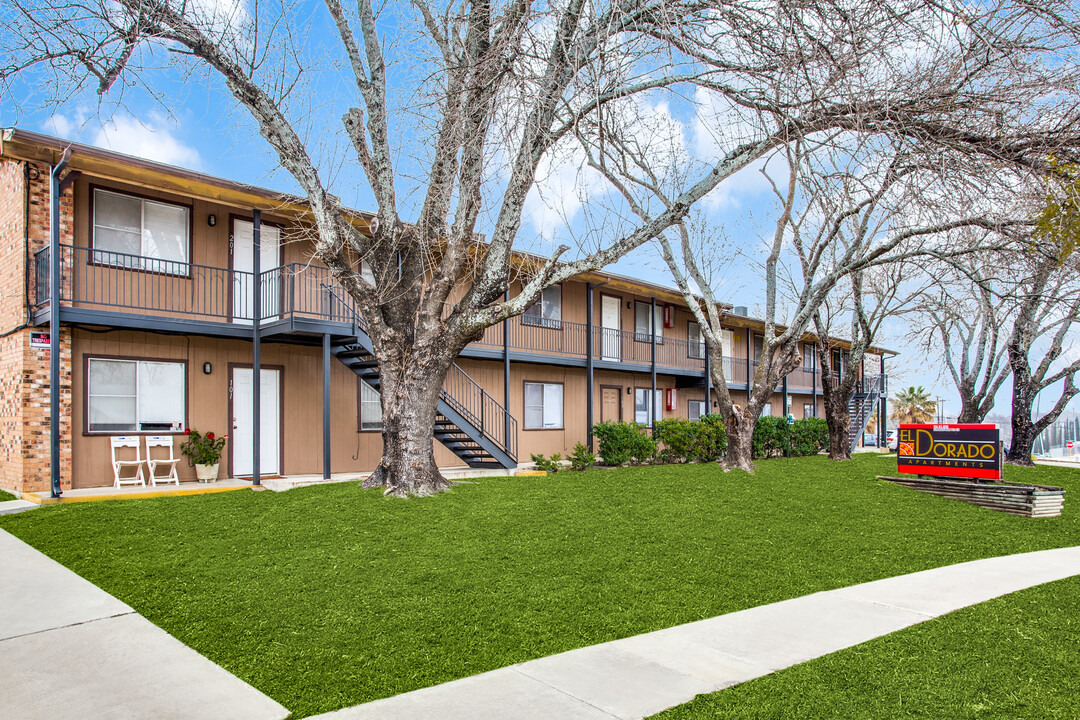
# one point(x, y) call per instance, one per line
point(157, 315)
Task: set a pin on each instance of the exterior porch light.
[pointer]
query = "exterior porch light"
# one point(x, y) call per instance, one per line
point(207, 368)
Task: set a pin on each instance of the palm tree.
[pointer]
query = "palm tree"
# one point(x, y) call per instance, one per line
point(913, 406)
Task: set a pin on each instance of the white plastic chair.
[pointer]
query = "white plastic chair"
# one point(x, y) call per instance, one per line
point(169, 463)
point(120, 466)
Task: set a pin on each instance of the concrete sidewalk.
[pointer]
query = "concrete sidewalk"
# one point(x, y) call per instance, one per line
point(642, 675)
point(70, 650)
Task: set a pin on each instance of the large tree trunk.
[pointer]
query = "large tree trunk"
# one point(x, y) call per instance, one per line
point(1024, 431)
point(740, 435)
point(410, 388)
point(836, 398)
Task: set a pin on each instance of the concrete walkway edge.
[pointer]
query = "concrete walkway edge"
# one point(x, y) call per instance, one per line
point(69, 649)
point(641, 675)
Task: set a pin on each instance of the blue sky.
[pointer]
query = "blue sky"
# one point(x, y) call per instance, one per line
point(193, 123)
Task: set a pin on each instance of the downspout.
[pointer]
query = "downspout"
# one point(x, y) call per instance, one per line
point(54, 321)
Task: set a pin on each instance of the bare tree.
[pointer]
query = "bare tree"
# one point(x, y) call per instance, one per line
point(497, 89)
point(964, 315)
point(1049, 310)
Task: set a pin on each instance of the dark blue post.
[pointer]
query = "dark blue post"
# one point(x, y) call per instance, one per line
point(256, 351)
point(326, 406)
point(652, 397)
point(54, 322)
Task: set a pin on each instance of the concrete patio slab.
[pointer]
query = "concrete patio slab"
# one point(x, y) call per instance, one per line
point(642, 675)
point(10, 507)
point(69, 649)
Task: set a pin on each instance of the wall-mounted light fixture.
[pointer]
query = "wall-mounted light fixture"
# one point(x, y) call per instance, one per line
point(211, 219)
point(629, 390)
point(628, 305)
point(207, 368)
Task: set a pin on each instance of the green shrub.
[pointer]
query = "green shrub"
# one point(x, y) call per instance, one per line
point(710, 443)
point(677, 437)
point(581, 458)
point(809, 436)
point(770, 437)
point(619, 443)
point(548, 465)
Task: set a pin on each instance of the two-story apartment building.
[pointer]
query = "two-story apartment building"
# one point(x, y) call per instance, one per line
point(157, 312)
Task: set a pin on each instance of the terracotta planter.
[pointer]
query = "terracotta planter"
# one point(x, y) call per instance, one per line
point(207, 473)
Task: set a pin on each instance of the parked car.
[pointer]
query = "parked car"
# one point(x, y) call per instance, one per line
point(890, 439)
point(869, 439)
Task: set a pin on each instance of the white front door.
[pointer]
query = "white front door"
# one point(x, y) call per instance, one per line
point(610, 308)
point(243, 284)
point(243, 430)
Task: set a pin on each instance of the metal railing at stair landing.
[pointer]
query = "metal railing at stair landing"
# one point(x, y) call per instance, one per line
point(867, 392)
point(460, 391)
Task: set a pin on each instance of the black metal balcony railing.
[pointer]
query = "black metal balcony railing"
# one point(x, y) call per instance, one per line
point(128, 283)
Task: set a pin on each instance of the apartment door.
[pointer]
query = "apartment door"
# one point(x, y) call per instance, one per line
point(243, 300)
point(243, 430)
point(610, 308)
point(610, 404)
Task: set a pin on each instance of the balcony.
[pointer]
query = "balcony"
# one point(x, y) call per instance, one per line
point(121, 290)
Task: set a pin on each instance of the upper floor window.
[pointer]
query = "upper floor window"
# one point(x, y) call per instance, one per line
point(143, 234)
point(644, 325)
point(809, 351)
point(135, 395)
point(696, 346)
point(548, 311)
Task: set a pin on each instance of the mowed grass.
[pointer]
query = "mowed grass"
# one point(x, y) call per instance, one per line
point(1011, 657)
point(329, 596)
point(5, 496)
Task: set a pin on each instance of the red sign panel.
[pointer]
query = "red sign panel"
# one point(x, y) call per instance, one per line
point(966, 451)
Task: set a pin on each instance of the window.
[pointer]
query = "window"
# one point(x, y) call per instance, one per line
point(132, 232)
point(767, 409)
point(370, 407)
point(696, 408)
point(135, 396)
point(758, 344)
point(642, 412)
point(696, 346)
point(548, 311)
point(366, 273)
point(809, 350)
point(642, 326)
point(543, 406)
point(808, 410)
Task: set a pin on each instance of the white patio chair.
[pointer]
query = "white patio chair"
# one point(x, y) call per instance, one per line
point(167, 463)
point(120, 467)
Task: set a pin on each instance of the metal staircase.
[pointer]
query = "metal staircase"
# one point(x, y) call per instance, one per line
point(469, 422)
point(861, 406)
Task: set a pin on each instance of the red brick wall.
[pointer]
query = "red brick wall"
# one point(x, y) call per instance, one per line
point(24, 371)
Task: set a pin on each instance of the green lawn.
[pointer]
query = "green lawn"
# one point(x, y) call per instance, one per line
point(5, 496)
point(329, 596)
point(1011, 657)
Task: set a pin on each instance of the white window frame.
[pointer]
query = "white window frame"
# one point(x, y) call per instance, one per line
point(695, 346)
point(810, 407)
point(809, 351)
point(547, 311)
point(547, 394)
point(641, 333)
point(136, 427)
point(658, 406)
point(367, 425)
point(766, 410)
point(702, 410)
point(142, 261)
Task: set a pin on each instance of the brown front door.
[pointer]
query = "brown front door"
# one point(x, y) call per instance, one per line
point(610, 402)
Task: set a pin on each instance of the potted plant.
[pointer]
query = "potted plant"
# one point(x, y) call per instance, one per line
point(204, 452)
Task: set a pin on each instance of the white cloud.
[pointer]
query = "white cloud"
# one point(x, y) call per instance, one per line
point(152, 138)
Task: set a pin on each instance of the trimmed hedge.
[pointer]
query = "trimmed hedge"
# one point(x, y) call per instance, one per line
point(773, 437)
point(618, 443)
point(686, 441)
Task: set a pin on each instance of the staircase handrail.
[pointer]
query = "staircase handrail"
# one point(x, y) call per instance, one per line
point(477, 413)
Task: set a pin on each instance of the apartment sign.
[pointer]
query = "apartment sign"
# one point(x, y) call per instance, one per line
point(966, 451)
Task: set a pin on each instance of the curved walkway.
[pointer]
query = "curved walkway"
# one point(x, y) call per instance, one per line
point(642, 675)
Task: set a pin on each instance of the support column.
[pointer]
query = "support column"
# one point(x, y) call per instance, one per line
point(708, 381)
point(814, 379)
point(54, 322)
point(883, 403)
point(749, 362)
point(784, 398)
point(506, 374)
point(652, 398)
point(326, 406)
point(589, 364)
point(256, 349)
